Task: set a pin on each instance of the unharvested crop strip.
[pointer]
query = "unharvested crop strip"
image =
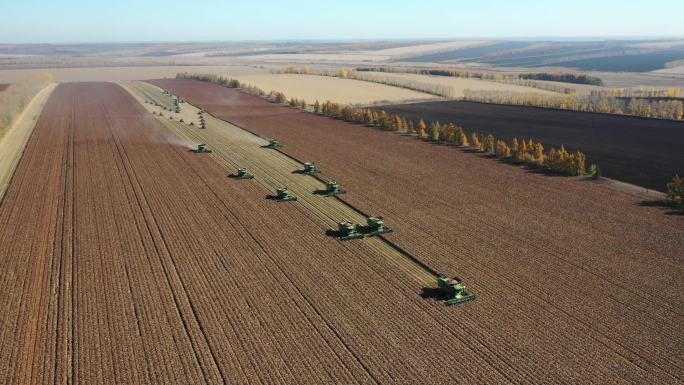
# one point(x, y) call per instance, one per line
point(228, 155)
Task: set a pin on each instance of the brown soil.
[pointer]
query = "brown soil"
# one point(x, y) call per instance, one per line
point(577, 282)
point(128, 259)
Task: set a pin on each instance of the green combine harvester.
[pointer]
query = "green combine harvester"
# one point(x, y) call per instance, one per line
point(347, 231)
point(376, 226)
point(282, 195)
point(242, 173)
point(454, 290)
point(333, 188)
point(273, 143)
point(201, 148)
point(310, 168)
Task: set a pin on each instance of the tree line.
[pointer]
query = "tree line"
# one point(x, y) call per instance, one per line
point(564, 78)
point(528, 152)
point(660, 109)
point(675, 191)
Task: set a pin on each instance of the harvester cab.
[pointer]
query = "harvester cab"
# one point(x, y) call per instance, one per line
point(282, 195)
point(376, 226)
point(201, 148)
point(310, 168)
point(242, 173)
point(454, 290)
point(347, 231)
point(333, 188)
point(273, 143)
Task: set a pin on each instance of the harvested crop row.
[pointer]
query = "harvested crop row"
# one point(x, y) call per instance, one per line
point(144, 263)
point(236, 147)
point(552, 251)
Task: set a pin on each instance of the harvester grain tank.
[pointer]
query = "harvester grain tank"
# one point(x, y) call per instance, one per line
point(201, 148)
point(347, 231)
point(376, 226)
point(310, 168)
point(242, 173)
point(454, 290)
point(333, 188)
point(283, 195)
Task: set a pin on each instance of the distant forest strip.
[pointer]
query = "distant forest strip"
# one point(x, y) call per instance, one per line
point(564, 78)
point(604, 101)
point(556, 77)
point(607, 104)
point(529, 152)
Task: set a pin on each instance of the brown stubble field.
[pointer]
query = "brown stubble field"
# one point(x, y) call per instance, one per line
point(571, 267)
point(127, 259)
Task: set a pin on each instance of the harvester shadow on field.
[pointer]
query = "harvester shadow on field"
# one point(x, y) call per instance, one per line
point(333, 233)
point(434, 293)
point(670, 208)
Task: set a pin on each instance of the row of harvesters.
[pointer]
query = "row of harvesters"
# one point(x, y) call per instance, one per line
point(451, 290)
point(374, 226)
point(203, 123)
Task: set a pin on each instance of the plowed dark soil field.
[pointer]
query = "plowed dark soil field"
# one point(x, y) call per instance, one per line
point(127, 259)
point(577, 282)
point(645, 152)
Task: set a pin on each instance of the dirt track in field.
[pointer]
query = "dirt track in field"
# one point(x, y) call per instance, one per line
point(127, 259)
point(577, 282)
point(645, 152)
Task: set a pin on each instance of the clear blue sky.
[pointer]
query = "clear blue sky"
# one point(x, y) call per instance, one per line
point(40, 21)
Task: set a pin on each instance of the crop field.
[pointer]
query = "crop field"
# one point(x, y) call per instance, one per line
point(105, 74)
point(458, 85)
point(631, 56)
point(149, 265)
point(469, 53)
point(628, 149)
point(563, 268)
point(13, 141)
point(632, 63)
point(337, 90)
